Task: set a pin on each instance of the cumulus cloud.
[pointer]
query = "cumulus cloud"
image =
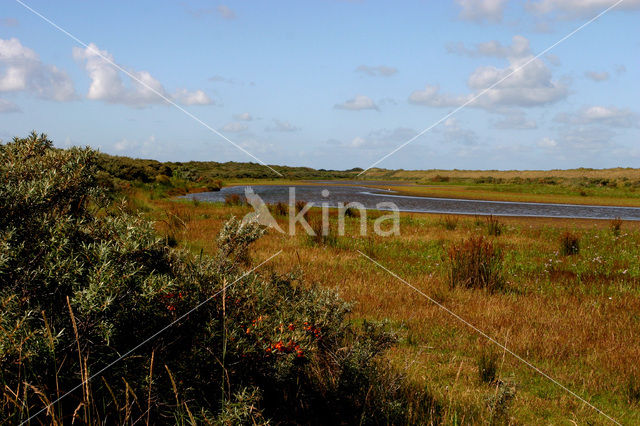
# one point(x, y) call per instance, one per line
point(380, 70)
point(226, 12)
point(482, 10)
point(517, 85)
point(21, 70)
point(569, 9)
point(234, 127)
point(244, 116)
point(282, 126)
point(110, 85)
point(597, 76)
point(186, 97)
point(609, 116)
point(358, 103)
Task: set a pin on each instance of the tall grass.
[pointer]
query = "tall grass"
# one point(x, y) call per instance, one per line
point(569, 243)
point(494, 227)
point(475, 263)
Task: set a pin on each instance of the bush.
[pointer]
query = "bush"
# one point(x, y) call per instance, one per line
point(214, 185)
point(82, 283)
point(475, 263)
point(569, 244)
point(494, 227)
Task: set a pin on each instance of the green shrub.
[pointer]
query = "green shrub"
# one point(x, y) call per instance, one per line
point(82, 283)
point(475, 263)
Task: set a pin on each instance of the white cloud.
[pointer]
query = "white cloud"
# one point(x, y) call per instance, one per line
point(380, 70)
point(245, 116)
point(21, 70)
point(225, 12)
point(358, 103)
point(482, 10)
point(568, 9)
point(131, 146)
point(547, 142)
point(8, 106)
point(516, 85)
point(282, 126)
point(519, 47)
point(609, 116)
point(597, 76)
point(107, 83)
point(358, 142)
point(197, 97)
point(431, 96)
point(234, 127)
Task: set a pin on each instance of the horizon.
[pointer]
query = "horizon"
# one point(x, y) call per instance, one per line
point(331, 85)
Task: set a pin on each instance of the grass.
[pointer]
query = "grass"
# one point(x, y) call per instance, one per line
point(475, 263)
point(575, 317)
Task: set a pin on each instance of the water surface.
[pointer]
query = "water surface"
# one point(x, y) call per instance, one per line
point(371, 197)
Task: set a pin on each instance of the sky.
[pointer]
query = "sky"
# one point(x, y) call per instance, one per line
point(328, 83)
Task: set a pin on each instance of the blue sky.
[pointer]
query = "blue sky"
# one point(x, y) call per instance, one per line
point(328, 83)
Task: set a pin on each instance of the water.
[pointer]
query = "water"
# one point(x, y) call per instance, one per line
point(370, 197)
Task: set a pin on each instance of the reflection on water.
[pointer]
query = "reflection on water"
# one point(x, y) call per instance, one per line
point(369, 197)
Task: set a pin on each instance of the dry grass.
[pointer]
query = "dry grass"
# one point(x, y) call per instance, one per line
point(578, 326)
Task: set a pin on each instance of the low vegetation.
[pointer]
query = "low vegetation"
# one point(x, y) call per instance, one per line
point(475, 263)
point(396, 358)
point(103, 322)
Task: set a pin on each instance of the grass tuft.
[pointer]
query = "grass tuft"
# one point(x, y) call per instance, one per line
point(569, 244)
point(450, 222)
point(616, 226)
point(475, 263)
point(494, 227)
point(487, 366)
